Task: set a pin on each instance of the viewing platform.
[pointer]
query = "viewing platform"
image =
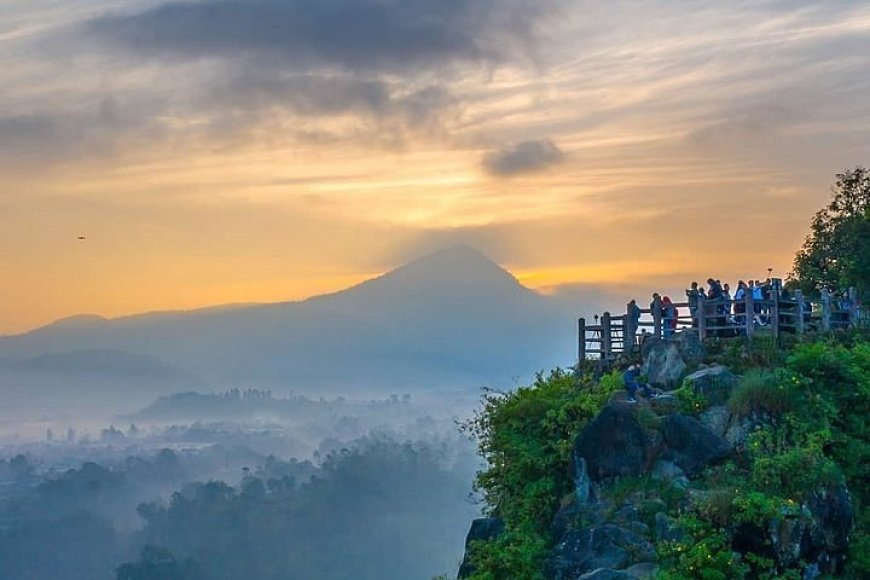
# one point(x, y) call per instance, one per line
point(612, 335)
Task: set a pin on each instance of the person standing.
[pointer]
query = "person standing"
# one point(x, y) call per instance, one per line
point(669, 317)
point(693, 296)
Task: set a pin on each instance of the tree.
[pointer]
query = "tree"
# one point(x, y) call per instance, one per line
point(837, 252)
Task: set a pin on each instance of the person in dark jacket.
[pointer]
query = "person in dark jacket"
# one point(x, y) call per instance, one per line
point(632, 384)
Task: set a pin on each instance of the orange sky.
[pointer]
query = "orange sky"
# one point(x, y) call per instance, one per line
point(638, 143)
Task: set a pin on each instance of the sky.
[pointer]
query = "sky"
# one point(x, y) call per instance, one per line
point(216, 151)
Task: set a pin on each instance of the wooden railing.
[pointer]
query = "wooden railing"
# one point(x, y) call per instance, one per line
point(612, 335)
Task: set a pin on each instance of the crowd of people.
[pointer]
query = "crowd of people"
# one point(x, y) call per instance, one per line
point(725, 313)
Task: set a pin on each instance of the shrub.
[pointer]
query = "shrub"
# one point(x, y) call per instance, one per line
point(691, 403)
point(761, 391)
point(704, 553)
point(526, 437)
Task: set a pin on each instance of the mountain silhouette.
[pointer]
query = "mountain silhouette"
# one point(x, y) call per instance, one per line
point(453, 318)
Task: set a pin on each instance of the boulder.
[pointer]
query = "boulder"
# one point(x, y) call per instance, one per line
point(833, 516)
point(616, 443)
point(690, 445)
point(665, 361)
point(482, 529)
point(587, 549)
point(669, 471)
point(714, 383)
point(788, 538)
point(691, 348)
point(717, 419)
point(662, 364)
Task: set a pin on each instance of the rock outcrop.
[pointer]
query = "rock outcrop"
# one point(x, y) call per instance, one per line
point(616, 443)
point(482, 529)
point(714, 383)
point(587, 549)
point(691, 445)
point(665, 361)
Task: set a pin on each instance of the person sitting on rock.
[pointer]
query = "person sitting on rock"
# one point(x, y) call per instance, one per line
point(630, 380)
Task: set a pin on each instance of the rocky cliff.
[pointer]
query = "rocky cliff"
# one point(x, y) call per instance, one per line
point(702, 481)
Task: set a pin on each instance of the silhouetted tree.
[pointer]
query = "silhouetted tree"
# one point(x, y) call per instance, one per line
point(837, 251)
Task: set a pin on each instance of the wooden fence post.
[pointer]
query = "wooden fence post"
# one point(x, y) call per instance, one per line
point(606, 337)
point(657, 316)
point(581, 343)
point(799, 307)
point(774, 314)
point(750, 312)
point(700, 313)
point(853, 308)
point(826, 310)
point(628, 331)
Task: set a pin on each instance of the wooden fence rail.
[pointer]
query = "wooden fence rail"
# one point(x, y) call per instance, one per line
point(613, 335)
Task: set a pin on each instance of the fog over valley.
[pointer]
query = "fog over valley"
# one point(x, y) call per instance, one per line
point(293, 440)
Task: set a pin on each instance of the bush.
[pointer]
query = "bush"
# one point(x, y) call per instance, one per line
point(526, 437)
point(761, 391)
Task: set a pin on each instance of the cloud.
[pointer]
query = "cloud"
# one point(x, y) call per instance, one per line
point(100, 128)
point(396, 36)
point(524, 157)
point(327, 94)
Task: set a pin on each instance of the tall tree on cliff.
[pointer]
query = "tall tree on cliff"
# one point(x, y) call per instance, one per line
point(837, 251)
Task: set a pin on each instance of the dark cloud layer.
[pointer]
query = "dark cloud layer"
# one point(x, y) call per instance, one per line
point(524, 157)
point(360, 35)
point(48, 136)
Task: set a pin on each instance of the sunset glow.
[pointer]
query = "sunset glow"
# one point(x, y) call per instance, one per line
point(593, 145)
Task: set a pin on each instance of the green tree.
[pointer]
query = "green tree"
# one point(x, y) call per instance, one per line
point(837, 251)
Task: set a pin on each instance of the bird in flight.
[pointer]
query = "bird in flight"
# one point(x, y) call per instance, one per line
point(82, 238)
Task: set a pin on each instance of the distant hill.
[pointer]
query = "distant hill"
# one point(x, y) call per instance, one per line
point(104, 363)
point(453, 318)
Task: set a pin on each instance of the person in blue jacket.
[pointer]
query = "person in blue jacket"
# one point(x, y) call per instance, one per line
point(632, 385)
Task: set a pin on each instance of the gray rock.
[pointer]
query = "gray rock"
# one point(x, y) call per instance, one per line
point(615, 443)
point(662, 363)
point(714, 383)
point(664, 470)
point(690, 346)
point(834, 516)
point(717, 419)
point(691, 445)
point(588, 549)
point(787, 536)
point(582, 481)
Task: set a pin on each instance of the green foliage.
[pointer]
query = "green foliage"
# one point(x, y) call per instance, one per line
point(704, 553)
point(742, 354)
point(837, 251)
point(526, 436)
point(691, 403)
point(762, 392)
point(806, 407)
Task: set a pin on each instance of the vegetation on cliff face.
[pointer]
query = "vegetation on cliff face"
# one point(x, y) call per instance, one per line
point(808, 434)
point(526, 438)
point(801, 404)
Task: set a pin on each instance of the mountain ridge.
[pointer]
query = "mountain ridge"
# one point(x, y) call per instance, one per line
point(451, 318)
